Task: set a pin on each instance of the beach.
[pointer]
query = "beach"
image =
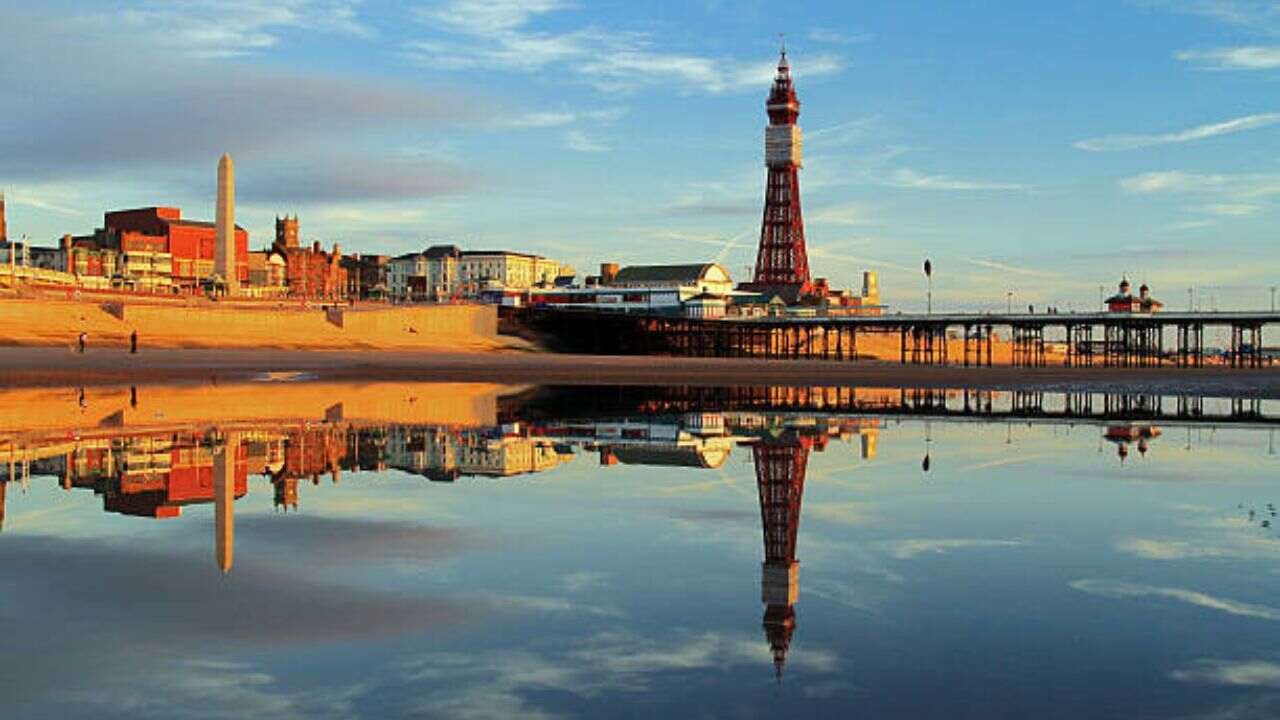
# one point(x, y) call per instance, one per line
point(59, 366)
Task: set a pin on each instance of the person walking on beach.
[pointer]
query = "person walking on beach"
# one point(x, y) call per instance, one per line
point(133, 343)
point(80, 340)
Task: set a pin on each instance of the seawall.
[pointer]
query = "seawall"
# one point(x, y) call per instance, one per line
point(459, 328)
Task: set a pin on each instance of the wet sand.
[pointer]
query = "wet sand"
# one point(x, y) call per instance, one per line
point(43, 366)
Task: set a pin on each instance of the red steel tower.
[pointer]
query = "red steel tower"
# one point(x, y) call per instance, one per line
point(781, 259)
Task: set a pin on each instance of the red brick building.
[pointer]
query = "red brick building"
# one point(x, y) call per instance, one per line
point(189, 242)
point(309, 271)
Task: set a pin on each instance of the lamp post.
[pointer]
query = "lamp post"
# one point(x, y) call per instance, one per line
point(928, 274)
point(1191, 299)
point(1008, 296)
point(1273, 298)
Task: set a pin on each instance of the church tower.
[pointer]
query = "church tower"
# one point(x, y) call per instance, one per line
point(287, 231)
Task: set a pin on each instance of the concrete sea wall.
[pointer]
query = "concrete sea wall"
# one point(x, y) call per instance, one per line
point(241, 325)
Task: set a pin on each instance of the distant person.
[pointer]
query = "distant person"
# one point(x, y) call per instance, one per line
point(80, 341)
point(133, 343)
point(133, 396)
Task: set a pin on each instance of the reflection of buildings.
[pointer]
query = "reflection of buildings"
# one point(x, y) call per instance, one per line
point(1125, 435)
point(145, 476)
point(444, 454)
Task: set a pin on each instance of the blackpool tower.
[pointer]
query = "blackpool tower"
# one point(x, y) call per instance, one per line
point(781, 261)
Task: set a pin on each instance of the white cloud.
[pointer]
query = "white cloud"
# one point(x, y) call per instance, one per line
point(40, 202)
point(500, 684)
point(837, 37)
point(504, 35)
point(1158, 549)
point(1006, 268)
point(547, 118)
point(1238, 187)
point(907, 549)
point(906, 178)
point(1247, 673)
point(1200, 132)
point(1118, 589)
point(579, 141)
point(1234, 58)
point(845, 133)
point(1232, 209)
point(1255, 15)
point(228, 28)
point(846, 214)
point(538, 120)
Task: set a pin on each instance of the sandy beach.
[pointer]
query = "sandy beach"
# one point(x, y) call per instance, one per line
point(45, 366)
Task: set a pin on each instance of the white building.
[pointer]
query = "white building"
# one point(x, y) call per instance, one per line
point(442, 272)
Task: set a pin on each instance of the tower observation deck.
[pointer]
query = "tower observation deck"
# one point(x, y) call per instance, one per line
point(781, 260)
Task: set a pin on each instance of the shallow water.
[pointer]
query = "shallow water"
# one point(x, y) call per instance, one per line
point(640, 552)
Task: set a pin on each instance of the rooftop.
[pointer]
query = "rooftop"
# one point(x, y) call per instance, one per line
point(667, 273)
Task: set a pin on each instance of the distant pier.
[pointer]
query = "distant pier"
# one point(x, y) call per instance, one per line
point(1106, 339)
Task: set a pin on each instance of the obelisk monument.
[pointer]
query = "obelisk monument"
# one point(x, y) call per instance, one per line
point(224, 251)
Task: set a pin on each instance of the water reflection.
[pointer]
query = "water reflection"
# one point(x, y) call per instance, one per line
point(149, 457)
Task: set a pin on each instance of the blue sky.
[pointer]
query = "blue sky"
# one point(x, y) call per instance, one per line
point(1037, 148)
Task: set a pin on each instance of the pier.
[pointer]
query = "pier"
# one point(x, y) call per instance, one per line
point(1105, 339)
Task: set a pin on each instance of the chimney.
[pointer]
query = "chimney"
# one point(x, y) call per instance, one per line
point(608, 273)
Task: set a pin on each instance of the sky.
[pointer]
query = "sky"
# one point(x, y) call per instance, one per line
point(1039, 149)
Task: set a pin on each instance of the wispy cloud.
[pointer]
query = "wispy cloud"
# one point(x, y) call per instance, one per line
point(837, 37)
point(1247, 673)
point(1232, 209)
point(230, 28)
point(848, 214)
point(843, 133)
point(907, 549)
point(1119, 589)
point(1261, 16)
point(505, 35)
point(579, 141)
point(907, 178)
point(1006, 268)
point(1200, 132)
point(1240, 186)
point(39, 202)
point(1249, 57)
point(557, 118)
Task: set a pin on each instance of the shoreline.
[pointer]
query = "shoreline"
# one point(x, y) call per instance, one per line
point(26, 366)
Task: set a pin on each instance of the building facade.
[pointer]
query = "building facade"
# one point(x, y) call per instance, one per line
point(310, 272)
point(444, 272)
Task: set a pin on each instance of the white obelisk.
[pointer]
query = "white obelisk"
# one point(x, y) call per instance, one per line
point(224, 252)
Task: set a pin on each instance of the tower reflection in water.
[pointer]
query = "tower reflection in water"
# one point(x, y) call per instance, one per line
point(148, 473)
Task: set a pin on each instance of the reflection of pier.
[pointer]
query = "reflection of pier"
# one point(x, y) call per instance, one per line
point(564, 403)
point(1123, 339)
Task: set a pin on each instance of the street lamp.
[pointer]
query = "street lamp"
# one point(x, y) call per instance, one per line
point(928, 274)
point(1273, 298)
point(1008, 296)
